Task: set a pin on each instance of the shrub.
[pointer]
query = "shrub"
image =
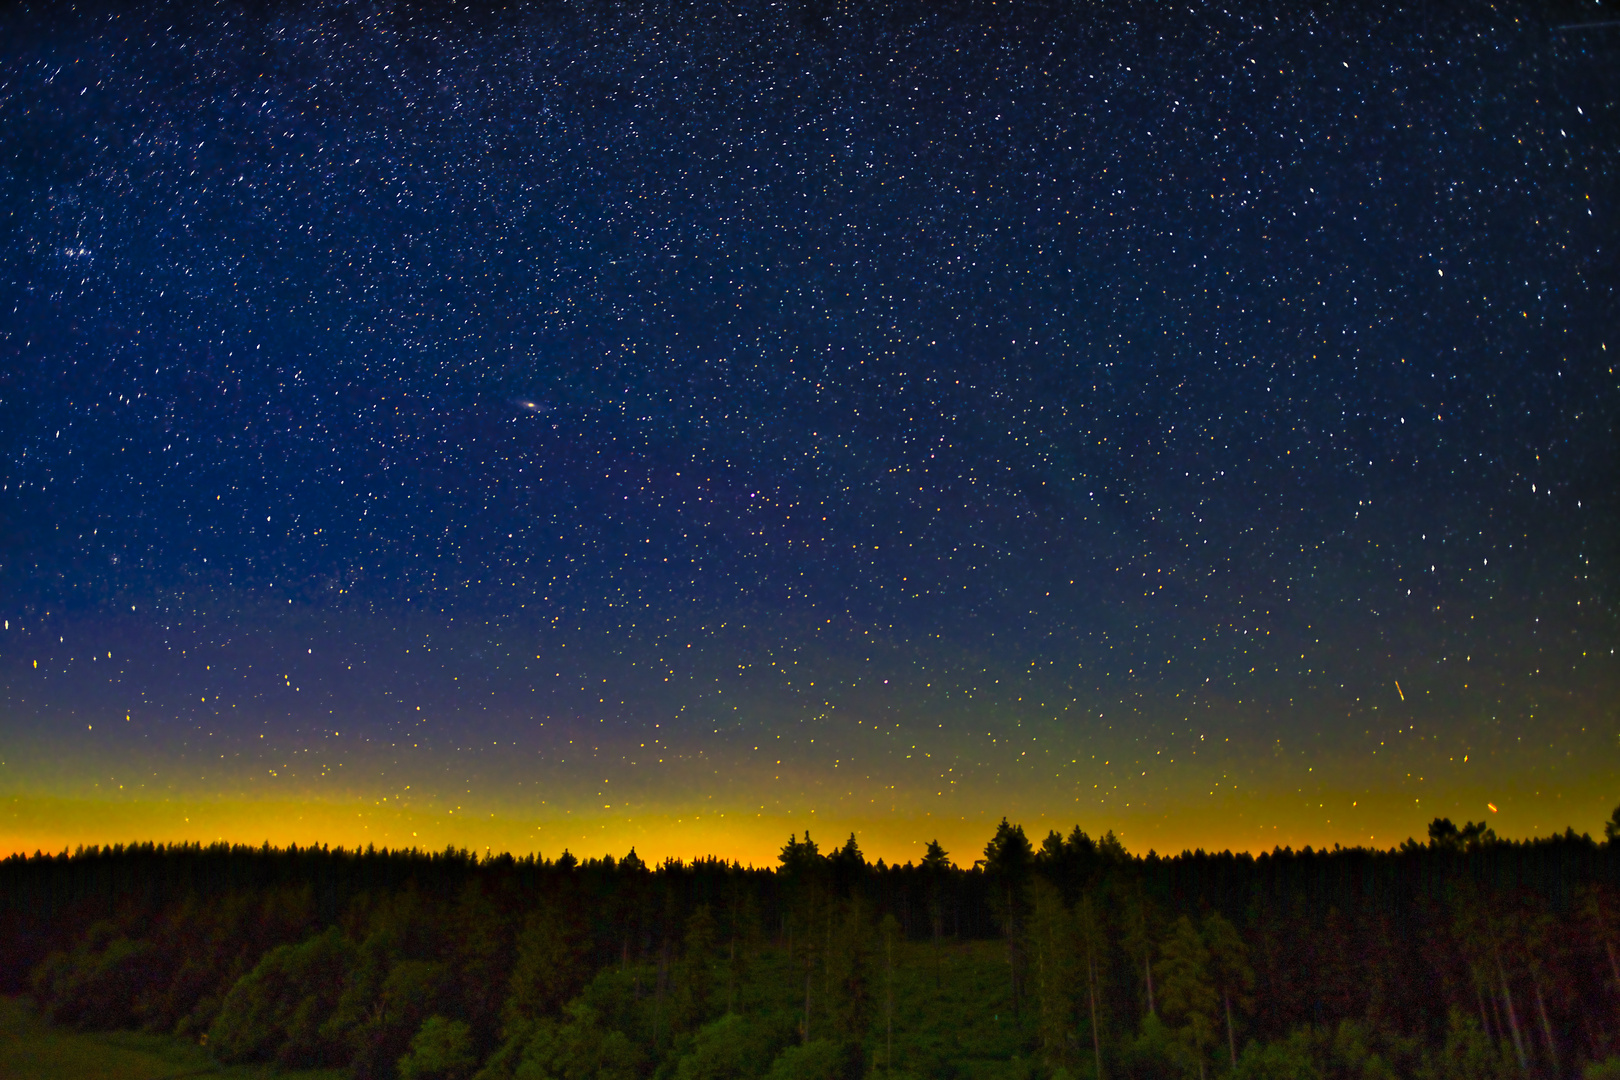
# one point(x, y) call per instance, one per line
point(818, 1059)
point(441, 1050)
point(275, 1011)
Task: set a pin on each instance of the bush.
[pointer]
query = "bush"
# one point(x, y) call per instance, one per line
point(1285, 1059)
point(1470, 1055)
point(100, 985)
point(398, 1009)
point(275, 1012)
point(818, 1059)
point(1154, 1054)
point(578, 1048)
point(441, 1050)
point(731, 1048)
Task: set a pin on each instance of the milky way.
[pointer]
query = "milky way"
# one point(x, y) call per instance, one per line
point(593, 424)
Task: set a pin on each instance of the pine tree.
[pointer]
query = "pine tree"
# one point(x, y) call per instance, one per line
point(936, 864)
point(1093, 945)
point(1052, 941)
point(549, 966)
point(1229, 967)
point(1008, 860)
point(1187, 992)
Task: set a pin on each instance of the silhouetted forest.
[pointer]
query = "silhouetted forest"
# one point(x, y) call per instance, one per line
point(1463, 957)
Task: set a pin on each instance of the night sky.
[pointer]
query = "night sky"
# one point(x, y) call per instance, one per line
point(590, 425)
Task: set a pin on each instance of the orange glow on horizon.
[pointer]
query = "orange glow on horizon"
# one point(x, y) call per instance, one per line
point(1253, 824)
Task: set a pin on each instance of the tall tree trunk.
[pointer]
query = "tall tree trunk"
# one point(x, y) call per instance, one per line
point(1091, 995)
point(1546, 1026)
point(1147, 965)
point(1231, 1036)
point(1513, 1020)
point(1484, 1017)
point(809, 974)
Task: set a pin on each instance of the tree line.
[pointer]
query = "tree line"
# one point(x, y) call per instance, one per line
point(1466, 956)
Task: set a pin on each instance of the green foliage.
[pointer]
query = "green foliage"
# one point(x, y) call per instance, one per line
point(1057, 971)
point(479, 960)
point(1008, 862)
point(1230, 971)
point(1292, 1058)
point(849, 972)
point(1154, 1054)
point(694, 974)
point(1342, 966)
point(103, 983)
point(1470, 1055)
point(212, 945)
point(276, 1011)
point(577, 1047)
point(1608, 1069)
point(731, 1048)
point(1008, 857)
point(818, 1059)
point(406, 998)
point(1187, 994)
point(1360, 1053)
point(441, 1050)
point(549, 968)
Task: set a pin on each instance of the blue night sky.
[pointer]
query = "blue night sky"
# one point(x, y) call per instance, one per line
point(591, 424)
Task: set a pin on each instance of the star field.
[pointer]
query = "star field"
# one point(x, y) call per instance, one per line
point(589, 421)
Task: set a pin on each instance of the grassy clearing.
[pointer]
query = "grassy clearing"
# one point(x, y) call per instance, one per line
point(34, 1050)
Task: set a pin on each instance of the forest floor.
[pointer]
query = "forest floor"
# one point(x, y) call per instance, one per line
point(30, 1049)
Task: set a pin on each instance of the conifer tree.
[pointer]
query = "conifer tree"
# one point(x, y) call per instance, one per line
point(1187, 992)
point(1092, 945)
point(548, 967)
point(936, 864)
point(1229, 966)
point(1008, 860)
point(1051, 936)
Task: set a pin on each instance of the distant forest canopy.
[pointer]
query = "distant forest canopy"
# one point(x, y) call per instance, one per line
point(1467, 956)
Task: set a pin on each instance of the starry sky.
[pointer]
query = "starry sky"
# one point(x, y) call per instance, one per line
point(590, 425)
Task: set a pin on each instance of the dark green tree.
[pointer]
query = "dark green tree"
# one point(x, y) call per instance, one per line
point(1229, 967)
point(441, 1049)
point(1053, 947)
point(936, 867)
point(1187, 994)
point(1008, 861)
point(549, 966)
point(695, 975)
point(277, 1012)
